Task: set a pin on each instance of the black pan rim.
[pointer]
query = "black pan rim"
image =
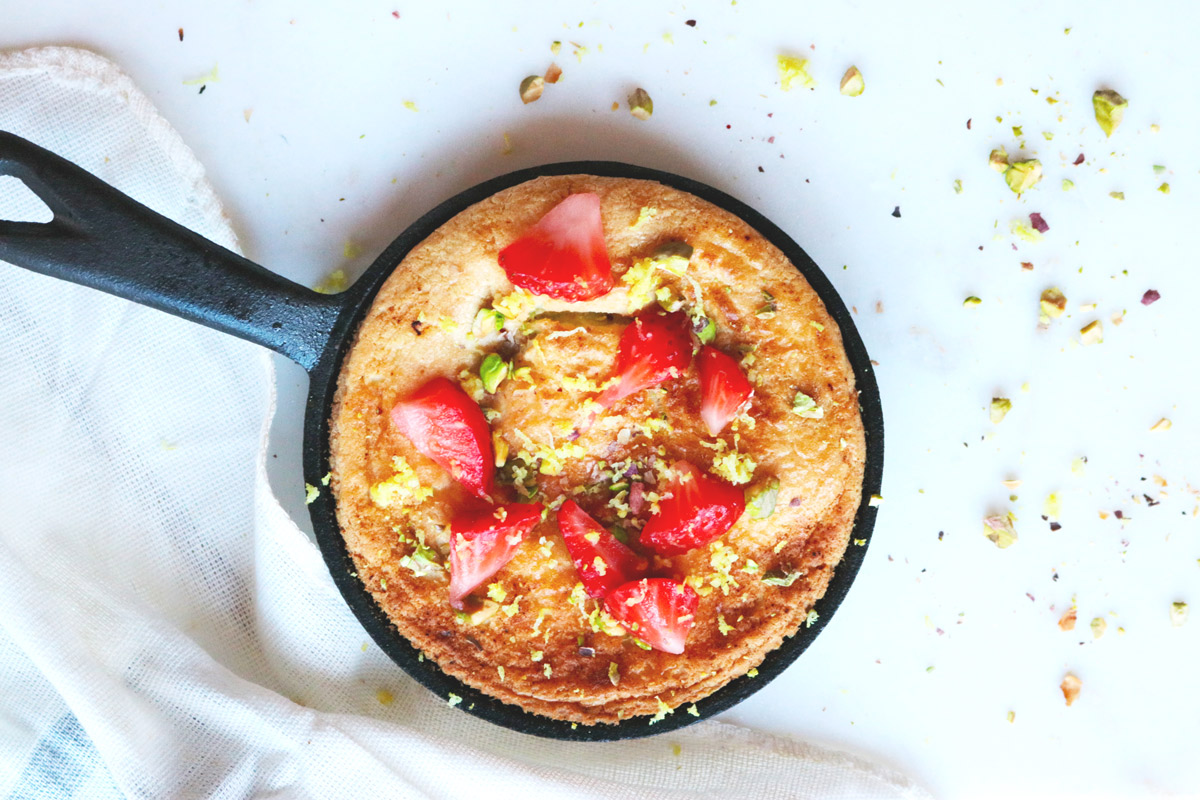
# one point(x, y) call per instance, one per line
point(323, 385)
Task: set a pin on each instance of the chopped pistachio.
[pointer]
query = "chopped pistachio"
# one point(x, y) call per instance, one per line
point(998, 159)
point(531, 88)
point(667, 251)
point(957, 186)
point(325, 480)
point(488, 320)
point(793, 72)
point(1159, 169)
point(999, 409)
point(972, 301)
point(768, 308)
point(1000, 529)
point(761, 499)
point(311, 493)
point(1110, 109)
point(1021, 176)
point(1068, 185)
point(614, 673)
point(805, 406)
point(1070, 688)
point(1099, 626)
point(1163, 424)
point(1092, 333)
point(776, 578)
point(707, 333)
point(555, 47)
point(1017, 131)
point(640, 104)
point(875, 501)
point(453, 699)
point(852, 83)
point(1117, 195)
point(1012, 716)
point(693, 710)
point(496, 592)
point(1052, 508)
point(1067, 621)
point(1165, 188)
point(492, 371)
point(811, 619)
point(1179, 613)
point(1053, 303)
point(1047, 135)
point(752, 672)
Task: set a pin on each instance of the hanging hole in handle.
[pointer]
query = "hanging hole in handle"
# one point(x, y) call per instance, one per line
point(18, 203)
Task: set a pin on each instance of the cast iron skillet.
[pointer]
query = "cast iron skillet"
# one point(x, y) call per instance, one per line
point(101, 238)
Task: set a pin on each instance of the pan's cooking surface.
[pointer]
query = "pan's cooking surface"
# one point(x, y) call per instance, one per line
point(373, 618)
point(103, 239)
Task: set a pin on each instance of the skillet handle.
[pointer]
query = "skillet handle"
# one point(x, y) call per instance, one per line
point(104, 239)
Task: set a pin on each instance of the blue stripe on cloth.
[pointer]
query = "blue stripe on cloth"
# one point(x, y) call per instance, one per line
point(65, 764)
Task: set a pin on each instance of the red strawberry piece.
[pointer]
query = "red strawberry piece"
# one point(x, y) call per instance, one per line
point(483, 542)
point(698, 511)
point(603, 563)
point(446, 425)
point(655, 347)
point(658, 611)
point(723, 388)
point(563, 255)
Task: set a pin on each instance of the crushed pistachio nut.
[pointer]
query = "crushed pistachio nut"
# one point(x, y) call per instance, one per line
point(972, 301)
point(999, 529)
point(723, 626)
point(1052, 508)
point(761, 499)
point(1179, 613)
point(492, 371)
point(1099, 626)
point(1117, 195)
point(1165, 188)
point(793, 72)
point(496, 592)
point(1053, 304)
point(776, 578)
point(1067, 621)
point(402, 489)
point(663, 710)
point(768, 308)
point(487, 320)
point(640, 104)
point(531, 88)
point(852, 83)
point(311, 493)
point(424, 563)
point(1163, 424)
point(999, 409)
point(735, 467)
point(1068, 185)
point(516, 303)
point(452, 699)
point(875, 501)
point(693, 710)
point(804, 406)
point(1110, 109)
point(1070, 688)
point(998, 160)
point(958, 187)
point(752, 672)
point(614, 673)
point(1021, 176)
point(1011, 717)
point(1092, 333)
point(811, 619)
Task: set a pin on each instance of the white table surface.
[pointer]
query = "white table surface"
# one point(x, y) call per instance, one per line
point(943, 634)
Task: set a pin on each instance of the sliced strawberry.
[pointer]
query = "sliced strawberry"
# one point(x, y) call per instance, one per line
point(655, 347)
point(698, 511)
point(723, 388)
point(658, 611)
point(563, 255)
point(483, 542)
point(603, 563)
point(446, 425)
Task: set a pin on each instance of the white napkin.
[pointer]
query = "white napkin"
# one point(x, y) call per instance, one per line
point(165, 629)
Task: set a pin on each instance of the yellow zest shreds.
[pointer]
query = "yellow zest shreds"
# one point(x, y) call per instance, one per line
point(793, 72)
point(614, 673)
point(1000, 530)
point(1179, 614)
point(811, 619)
point(735, 467)
point(500, 672)
point(804, 406)
point(1071, 687)
point(1052, 508)
point(326, 479)
point(1109, 107)
point(537, 622)
point(410, 105)
point(452, 699)
point(496, 592)
point(723, 626)
point(546, 670)
point(515, 304)
point(402, 489)
point(875, 500)
point(663, 711)
point(643, 280)
point(852, 83)
point(333, 283)
point(512, 608)
point(722, 560)
point(645, 214)
point(535, 655)
point(781, 578)
point(311, 493)
point(693, 710)
point(752, 672)
point(999, 409)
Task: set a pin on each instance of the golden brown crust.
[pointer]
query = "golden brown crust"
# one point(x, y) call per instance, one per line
point(563, 670)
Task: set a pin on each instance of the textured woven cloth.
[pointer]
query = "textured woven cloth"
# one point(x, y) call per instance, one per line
point(165, 629)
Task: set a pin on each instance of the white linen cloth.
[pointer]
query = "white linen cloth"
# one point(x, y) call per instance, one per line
point(166, 631)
